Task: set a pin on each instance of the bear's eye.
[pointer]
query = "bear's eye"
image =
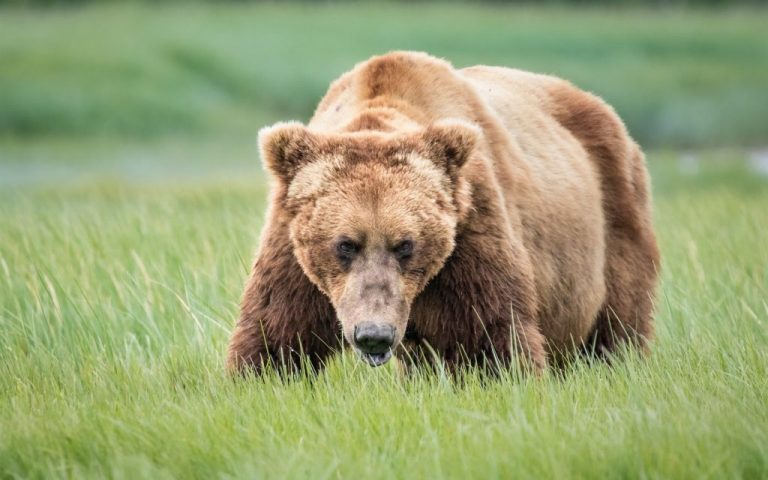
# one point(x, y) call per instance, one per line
point(403, 250)
point(346, 249)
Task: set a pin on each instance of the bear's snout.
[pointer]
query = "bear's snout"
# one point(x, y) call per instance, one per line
point(374, 341)
point(374, 337)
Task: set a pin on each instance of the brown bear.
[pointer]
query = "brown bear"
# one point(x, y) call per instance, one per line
point(460, 215)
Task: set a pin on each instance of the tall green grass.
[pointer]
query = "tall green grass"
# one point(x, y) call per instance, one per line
point(678, 77)
point(116, 301)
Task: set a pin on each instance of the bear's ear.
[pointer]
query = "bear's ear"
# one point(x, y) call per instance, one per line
point(285, 147)
point(449, 143)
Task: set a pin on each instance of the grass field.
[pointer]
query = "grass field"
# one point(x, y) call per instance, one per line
point(131, 201)
point(117, 299)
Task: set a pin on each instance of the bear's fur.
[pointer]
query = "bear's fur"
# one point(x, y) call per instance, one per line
point(524, 205)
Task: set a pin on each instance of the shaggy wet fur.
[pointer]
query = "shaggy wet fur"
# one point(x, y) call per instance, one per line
point(527, 199)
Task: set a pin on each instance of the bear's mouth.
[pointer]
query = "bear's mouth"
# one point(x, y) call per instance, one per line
point(376, 359)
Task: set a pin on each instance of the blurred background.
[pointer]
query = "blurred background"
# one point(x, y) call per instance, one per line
point(177, 90)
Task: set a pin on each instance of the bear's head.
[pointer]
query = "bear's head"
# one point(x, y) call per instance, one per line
point(373, 217)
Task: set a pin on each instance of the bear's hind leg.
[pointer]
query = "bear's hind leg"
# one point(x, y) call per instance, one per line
point(626, 318)
point(631, 273)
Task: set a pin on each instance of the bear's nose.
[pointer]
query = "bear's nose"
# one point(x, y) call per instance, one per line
point(373, 337)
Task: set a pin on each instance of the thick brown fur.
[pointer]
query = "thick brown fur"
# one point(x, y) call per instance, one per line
point(527, 202)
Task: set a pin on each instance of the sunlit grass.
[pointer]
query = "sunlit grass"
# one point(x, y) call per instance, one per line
point(116, 301)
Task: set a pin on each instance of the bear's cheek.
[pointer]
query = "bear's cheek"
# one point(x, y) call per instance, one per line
point(307, 244)
point(437, 250)
point(322, 269)
point(312, 268)
point(412, 286)
point(335, 283)
point(305, 261)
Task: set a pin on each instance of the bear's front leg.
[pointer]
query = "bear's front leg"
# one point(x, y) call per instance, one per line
point(284, 320)
point(481, 309)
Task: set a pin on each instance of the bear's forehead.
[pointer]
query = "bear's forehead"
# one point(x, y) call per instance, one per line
point(338, 173)
point(372, 220)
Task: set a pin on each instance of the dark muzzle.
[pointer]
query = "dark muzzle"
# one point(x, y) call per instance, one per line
point(374, 341)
